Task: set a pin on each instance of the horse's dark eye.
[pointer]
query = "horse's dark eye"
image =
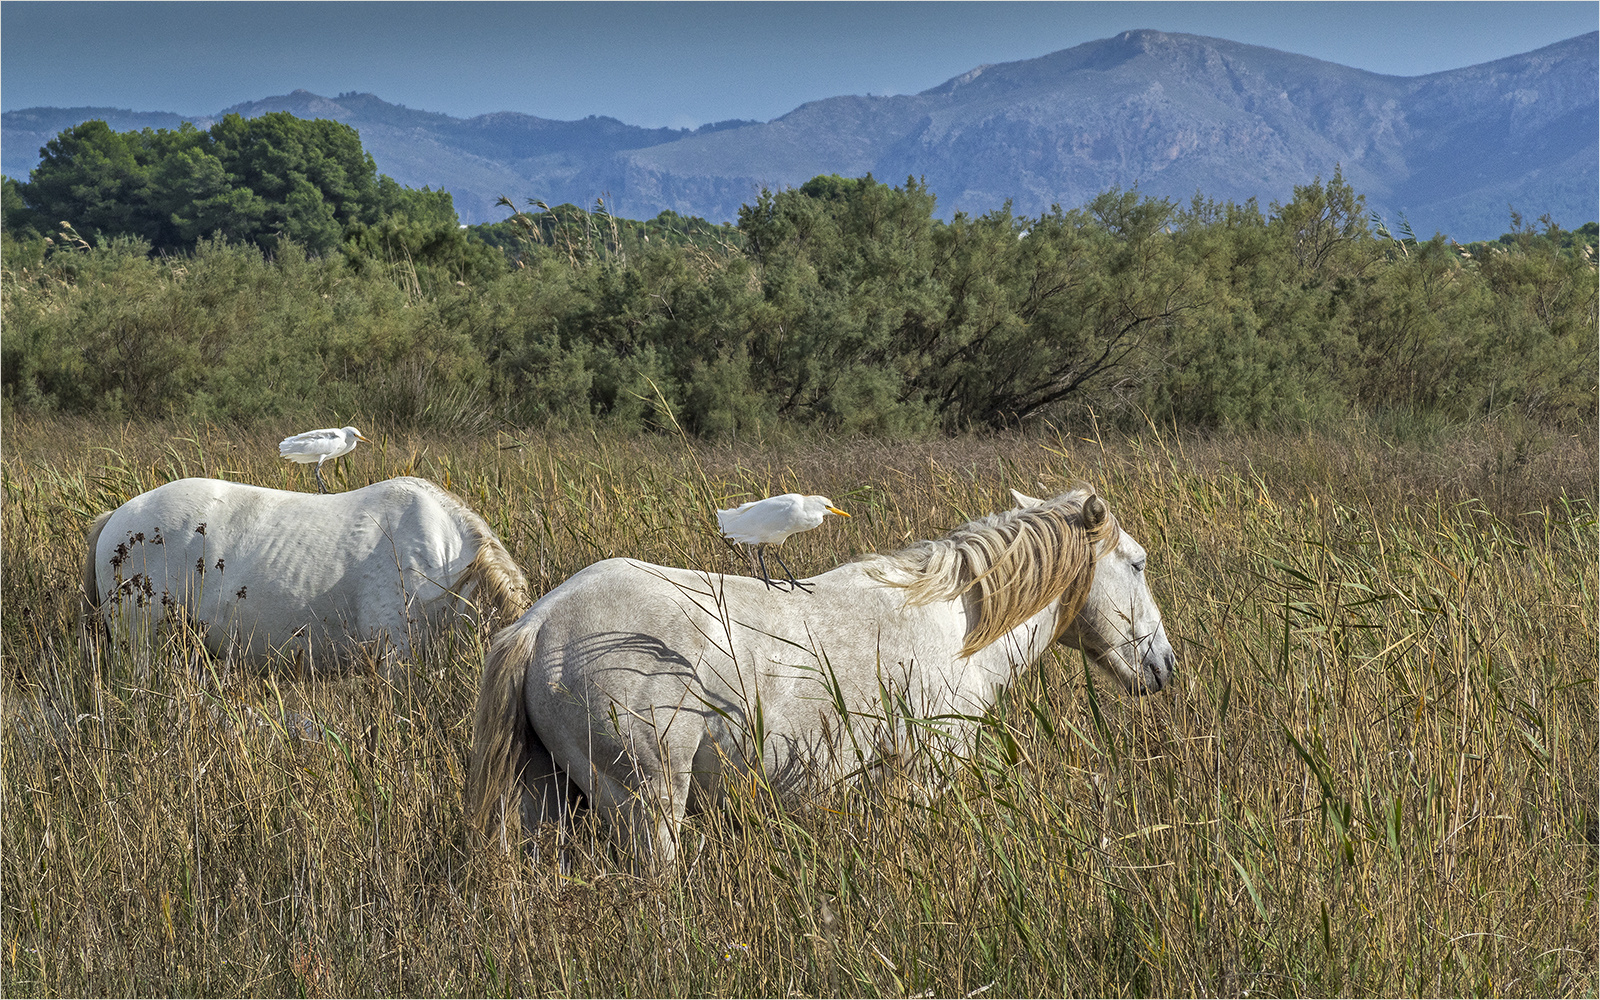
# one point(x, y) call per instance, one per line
point(1138, 567)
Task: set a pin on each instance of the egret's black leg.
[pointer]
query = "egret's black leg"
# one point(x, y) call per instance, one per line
point(764, 577)
point(321, 488)
point(793, 583)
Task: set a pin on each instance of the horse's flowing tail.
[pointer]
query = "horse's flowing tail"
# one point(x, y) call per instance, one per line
point(89, 598)
point(503, 741)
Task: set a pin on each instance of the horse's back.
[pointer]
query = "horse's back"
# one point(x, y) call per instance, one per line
point(650, 637)
point(627, 595)
point(303, 541)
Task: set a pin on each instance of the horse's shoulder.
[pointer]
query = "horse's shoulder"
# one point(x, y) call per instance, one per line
point(410, 484)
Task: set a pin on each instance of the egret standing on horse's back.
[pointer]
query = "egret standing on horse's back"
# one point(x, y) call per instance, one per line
point(649, 692)
point(319, 446)
point(770, 521)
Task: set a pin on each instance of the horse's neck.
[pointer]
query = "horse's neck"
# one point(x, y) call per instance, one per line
point(1007, 657)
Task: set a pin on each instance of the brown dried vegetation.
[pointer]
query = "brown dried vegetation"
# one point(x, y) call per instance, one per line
point(1376, 773)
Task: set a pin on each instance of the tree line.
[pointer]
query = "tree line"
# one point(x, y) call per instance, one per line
point(262, 269)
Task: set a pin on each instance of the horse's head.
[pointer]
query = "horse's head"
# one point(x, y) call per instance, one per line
point(1119, 625)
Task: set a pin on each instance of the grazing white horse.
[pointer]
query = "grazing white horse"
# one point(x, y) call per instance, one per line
point(267, 572)
point(645, 686)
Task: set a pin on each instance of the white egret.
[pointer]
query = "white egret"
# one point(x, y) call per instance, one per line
point(319, 446)
point(770, 521)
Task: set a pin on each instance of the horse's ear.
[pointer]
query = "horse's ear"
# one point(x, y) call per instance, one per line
point(1024, 501)
point(1094, 512)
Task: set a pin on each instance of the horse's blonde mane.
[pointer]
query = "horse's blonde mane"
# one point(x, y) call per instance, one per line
point(493, 578)
point(1018, 562)
point(497, 582)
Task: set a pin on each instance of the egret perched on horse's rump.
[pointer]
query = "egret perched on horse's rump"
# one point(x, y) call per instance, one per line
point(639, 688)
point(319, 446)
point(768, 522)
point(266, 572)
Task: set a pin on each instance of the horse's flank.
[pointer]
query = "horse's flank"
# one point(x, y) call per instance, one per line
point(303, 572)
point(1018, 562)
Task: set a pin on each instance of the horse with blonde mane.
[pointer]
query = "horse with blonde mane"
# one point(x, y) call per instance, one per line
point(320, 579)
point(641, 688)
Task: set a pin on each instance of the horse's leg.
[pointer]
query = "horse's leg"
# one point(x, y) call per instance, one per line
point(548, 796)
point(660, 807)
point(645, 814)
point(617, 802)
point(136, 627)
point(568, 797)
point(391, 656)
point(672, 801)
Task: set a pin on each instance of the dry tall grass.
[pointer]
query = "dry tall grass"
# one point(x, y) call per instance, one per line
point(1376, 773)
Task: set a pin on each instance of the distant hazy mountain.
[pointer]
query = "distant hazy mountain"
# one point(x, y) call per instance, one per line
point(1179, 113)
point(1174, 114)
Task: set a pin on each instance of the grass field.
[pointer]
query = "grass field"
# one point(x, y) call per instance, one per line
point(1374, 774)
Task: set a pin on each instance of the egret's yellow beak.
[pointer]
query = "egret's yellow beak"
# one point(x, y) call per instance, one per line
point(360, 438)
point(838, 511)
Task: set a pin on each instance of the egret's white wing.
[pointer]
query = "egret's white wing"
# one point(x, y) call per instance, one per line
point(729, 520)
point(314, 446)
point(764, 521)
point(311, 445)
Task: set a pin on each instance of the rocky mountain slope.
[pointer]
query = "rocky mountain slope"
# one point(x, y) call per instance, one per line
point(1172, 113)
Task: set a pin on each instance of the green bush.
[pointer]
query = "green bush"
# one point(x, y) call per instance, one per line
point(843, 304)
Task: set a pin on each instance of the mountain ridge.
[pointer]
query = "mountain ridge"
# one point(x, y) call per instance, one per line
point(1171, 113)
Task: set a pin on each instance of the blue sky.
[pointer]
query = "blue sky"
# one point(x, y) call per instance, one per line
point(678, 64)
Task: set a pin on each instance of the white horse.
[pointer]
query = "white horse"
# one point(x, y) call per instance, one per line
point(646, 686)
point(266, 572)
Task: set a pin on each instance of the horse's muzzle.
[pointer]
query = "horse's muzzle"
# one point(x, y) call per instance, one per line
point(1157, 666)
